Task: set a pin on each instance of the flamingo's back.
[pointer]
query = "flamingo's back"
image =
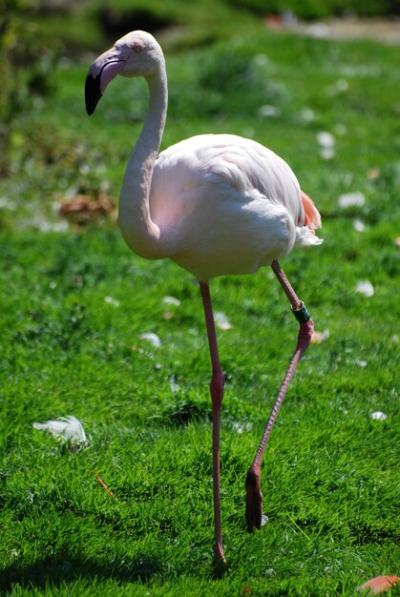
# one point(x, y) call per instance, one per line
point(229, 205)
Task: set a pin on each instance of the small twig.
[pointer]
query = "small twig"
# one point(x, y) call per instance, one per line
point(298, 527)
point(103, 484)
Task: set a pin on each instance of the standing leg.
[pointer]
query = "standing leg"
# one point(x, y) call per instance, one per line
point(253, 486)
point(217, 392)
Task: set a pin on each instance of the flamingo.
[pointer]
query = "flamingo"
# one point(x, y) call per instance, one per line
point(216, 205)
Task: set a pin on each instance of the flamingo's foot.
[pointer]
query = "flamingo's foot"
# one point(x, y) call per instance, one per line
point(254, 501)
point(220, 563)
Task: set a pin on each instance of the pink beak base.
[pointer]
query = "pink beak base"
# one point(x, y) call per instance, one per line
point(102, 71)
point(108, 72)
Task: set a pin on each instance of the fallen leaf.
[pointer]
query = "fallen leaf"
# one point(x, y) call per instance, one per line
point(307, 115)
point(326, 139)
point(361, 363)
point(44, 225)
point(373, 173)
point(365, 287)
point(351, 200)
point(152, 338)
point(273, 21)
point(240, 426)
point(222, 322)
point(68, 429)
point(358, 225)
point(264, 520)
point(327, 153)
point(175, 387)
point(261, 60)
point(83, 209)
point(318, 337)
point(340, 86)
point(379, 584)
point(111, 301)
point(269, 111)
point(378, 415)
point(171, 300)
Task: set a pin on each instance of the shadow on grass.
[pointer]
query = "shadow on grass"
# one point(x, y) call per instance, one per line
point(61, 568)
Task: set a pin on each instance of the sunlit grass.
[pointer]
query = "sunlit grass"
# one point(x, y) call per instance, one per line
point(331, 473)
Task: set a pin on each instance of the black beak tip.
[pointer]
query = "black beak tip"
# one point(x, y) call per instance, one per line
point(92, 93)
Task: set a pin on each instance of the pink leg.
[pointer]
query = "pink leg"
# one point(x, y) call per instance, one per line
point(253, 486)
point(217, 392)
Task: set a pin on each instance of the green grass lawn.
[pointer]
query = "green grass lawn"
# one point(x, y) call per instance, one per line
point(330, 478)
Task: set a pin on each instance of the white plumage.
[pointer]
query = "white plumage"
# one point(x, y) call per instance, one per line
point(68, 429)
point(231, 204)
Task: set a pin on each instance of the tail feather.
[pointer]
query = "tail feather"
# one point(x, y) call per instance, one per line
point(305, 234)
point(312, 215)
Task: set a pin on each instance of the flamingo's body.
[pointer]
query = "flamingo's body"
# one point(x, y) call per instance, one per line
point(227, 204)
point(215, 204)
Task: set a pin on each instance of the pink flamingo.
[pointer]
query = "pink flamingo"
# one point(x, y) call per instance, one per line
point(214, 204)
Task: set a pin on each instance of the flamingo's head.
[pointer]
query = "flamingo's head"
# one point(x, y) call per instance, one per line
point(137, 54)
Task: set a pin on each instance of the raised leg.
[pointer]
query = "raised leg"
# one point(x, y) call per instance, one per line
point(253, 484)
point(217, 392)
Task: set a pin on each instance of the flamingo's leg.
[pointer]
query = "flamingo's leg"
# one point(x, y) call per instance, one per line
point(253, 485)
point(217, 392)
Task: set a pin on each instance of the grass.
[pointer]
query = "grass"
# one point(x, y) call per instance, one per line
point(330, 477)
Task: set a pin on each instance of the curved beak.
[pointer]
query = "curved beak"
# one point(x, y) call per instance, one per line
point(102, 71)
point(92, 93)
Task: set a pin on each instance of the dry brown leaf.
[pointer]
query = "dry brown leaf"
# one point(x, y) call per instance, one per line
point(84, 209)
point(373, 173)
point(319, 337)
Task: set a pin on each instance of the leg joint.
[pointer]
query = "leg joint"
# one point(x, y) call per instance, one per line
point(305, 333)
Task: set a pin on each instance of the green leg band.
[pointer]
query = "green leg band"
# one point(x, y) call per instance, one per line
point(302, 315)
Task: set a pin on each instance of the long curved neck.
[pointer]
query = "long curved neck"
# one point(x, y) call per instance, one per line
point(139, 231)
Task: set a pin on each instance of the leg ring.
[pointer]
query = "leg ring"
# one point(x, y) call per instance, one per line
point(302, 315)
